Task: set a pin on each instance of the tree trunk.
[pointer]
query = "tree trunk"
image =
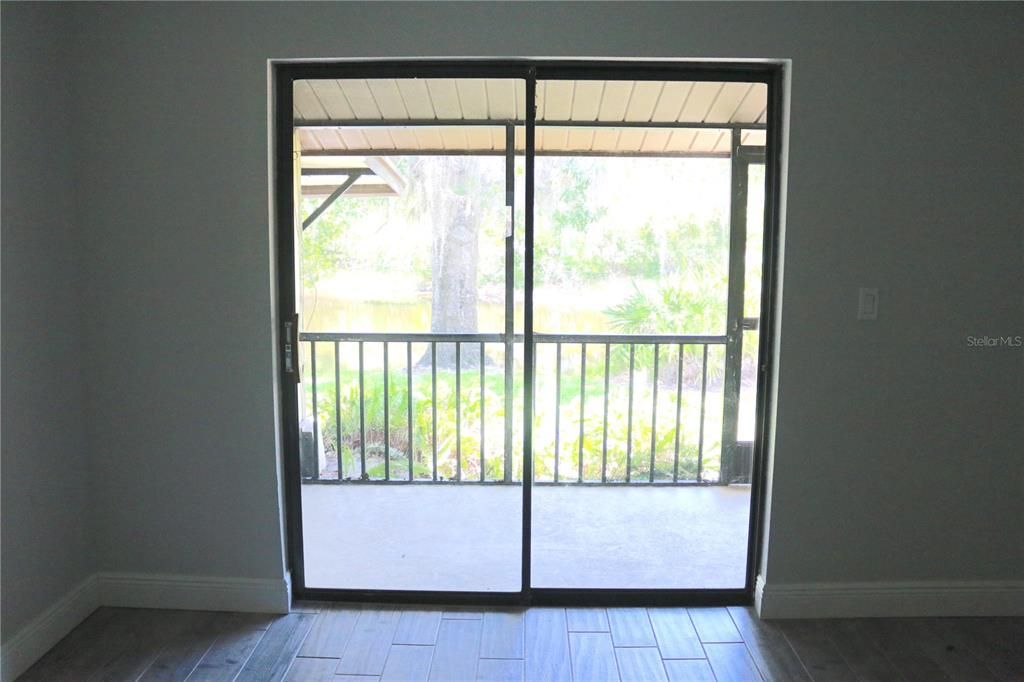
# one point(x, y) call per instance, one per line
point(455, 217)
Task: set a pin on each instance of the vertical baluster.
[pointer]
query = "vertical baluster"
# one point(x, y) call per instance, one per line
point(408, 403)
point(362, 418)
point(433, 410)
point(558, 401)
point(604, 435)
point(387, 425)
point(679, 405)
point(337, 408)
point(316, 416)
point(458, 412)
point(583, 402)
point(629, 417)
point(654, 415)
point(483, 412)
point(703, 395)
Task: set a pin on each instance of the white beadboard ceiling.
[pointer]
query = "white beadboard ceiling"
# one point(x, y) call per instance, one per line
point(335, 115)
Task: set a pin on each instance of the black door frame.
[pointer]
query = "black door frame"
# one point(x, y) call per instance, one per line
point(531, 71)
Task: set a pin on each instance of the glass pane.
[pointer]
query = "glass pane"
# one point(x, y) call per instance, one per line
point(429, 258)
point(632, 244)
point(405, 235)
point(748, 389)
point(751, 302)
point(755, 240)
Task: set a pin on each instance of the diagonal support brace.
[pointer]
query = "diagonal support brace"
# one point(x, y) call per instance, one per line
point(342, 188)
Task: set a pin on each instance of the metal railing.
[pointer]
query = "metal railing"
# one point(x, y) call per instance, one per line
point(478, 345)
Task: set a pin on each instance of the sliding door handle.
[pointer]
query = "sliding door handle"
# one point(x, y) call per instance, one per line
point(290, 348)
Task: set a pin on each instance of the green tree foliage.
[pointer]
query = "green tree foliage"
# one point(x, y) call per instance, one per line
point(356, 232)
point(689, 296)
point(327, 244)
point(565, 250)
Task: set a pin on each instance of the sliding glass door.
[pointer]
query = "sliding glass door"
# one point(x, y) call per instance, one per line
point(521, 319)
point(411, 380)
point(639, 482)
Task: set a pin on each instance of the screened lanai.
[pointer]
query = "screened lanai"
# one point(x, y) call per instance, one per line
point(413, 428)
point(460, 116)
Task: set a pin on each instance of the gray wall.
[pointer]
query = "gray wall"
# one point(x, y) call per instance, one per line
point(898, 448)
point(47, 543)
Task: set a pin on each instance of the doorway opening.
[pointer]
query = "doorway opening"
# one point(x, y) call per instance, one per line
point(524, 355)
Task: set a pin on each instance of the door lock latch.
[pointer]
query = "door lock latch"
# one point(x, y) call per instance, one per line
point(289, 347)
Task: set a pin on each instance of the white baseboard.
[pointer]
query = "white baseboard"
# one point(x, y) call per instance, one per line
point(889, 599)
point(201, 593)
point(48, 628)
point(139, 590)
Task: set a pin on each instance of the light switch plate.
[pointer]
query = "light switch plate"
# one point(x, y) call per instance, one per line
point(867, 304)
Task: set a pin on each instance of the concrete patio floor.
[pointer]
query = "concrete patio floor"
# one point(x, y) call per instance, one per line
point(467, 537)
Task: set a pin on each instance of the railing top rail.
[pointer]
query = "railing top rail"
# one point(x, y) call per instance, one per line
point(697, 339)
point(434, 337)
point(426, 337)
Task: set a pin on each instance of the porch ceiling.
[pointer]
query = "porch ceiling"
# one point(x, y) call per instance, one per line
point(382, 116)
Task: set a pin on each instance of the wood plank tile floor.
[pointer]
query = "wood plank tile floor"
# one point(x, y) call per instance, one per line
point(366, 643)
